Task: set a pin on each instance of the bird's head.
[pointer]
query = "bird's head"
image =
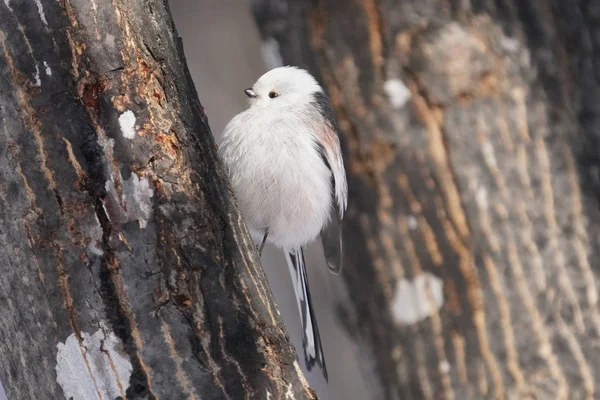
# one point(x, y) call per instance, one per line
point(282, 88)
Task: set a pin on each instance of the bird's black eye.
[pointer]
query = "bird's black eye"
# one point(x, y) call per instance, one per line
point(273, 94)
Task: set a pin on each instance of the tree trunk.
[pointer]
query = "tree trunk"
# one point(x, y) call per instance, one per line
point(473, 226)
point(126, 270)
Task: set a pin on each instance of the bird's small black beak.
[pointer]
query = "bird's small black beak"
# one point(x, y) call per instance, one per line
point(250, 93)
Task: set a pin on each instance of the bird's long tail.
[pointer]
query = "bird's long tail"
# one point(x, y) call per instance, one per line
point(313, 349)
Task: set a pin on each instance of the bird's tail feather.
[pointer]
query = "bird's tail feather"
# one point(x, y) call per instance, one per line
point(313, 349)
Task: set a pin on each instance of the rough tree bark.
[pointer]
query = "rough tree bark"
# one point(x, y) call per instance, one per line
point(125, 268)
point(471, 144)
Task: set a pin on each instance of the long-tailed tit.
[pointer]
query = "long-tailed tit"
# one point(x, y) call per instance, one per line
point(285, 165)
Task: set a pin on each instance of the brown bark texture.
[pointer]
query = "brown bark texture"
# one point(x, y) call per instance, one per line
point(486, 178)
point(126, 270)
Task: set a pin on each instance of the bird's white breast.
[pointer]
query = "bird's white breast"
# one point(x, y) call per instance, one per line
point(279, 179)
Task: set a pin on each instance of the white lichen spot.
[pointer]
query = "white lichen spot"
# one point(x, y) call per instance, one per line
point(416, 300)
point(127, 124)
point(412, 222)
point(110, 40)
point(488, 154)
point(47, 68)
point(271, 54)
point(139, 192)
point(444, 367)
point(7, 4)
point(108, 145)
point(509, 44)
point(136, 203)
point(481, 197)
point(103, 373)
point(96, 236)
point(289, 394)
point(269, 395)
point(397, 92)
point(38, 81)
point(41, 11)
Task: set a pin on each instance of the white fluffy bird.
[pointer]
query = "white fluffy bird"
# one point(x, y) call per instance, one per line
point(285, 165)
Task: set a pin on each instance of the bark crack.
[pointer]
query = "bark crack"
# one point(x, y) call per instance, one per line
point(425, 109)
point(139, 381)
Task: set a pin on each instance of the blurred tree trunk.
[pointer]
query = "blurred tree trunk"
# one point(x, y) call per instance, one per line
point(125, 268)
point(471, 145)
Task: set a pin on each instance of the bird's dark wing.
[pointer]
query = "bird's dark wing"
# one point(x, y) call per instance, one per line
point(328, 145)
point(331, 235)
point(311, 340)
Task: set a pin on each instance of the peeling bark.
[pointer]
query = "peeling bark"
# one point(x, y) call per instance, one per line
point(469, 132)
point(125, 267)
